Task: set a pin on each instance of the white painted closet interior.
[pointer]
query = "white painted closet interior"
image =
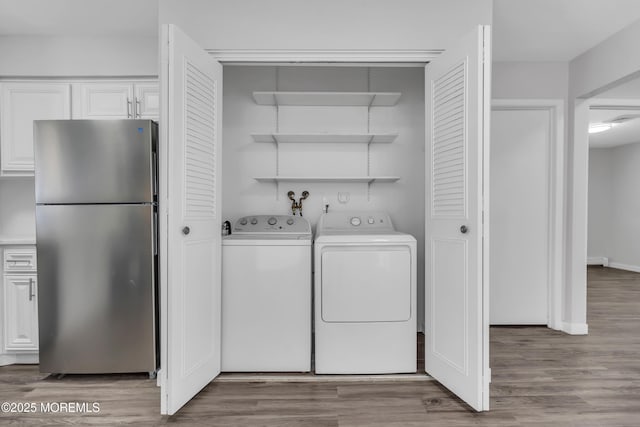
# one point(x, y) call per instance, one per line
point(373, 129)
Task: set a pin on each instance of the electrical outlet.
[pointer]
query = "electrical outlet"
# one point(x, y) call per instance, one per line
point(344, 197)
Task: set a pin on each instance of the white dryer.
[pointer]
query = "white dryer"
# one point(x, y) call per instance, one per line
point(266, 295)
point(365, 295)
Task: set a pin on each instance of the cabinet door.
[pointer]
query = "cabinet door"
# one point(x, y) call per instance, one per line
point(147, 101)
point(22, 103)
point(112, 100)
point(20, 312)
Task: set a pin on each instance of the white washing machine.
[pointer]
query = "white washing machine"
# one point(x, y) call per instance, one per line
point(365, 295)
point(266, 295)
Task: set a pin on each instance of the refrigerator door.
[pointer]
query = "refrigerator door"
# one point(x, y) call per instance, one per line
point(94, 161)
point(96, 293)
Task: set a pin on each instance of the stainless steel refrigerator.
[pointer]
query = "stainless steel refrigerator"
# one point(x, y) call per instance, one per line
point(96, 245)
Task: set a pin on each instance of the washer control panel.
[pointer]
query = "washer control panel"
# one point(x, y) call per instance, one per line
point(257, 224)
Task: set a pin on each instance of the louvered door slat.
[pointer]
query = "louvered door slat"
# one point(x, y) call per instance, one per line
point(200, 144)
point(449, 145)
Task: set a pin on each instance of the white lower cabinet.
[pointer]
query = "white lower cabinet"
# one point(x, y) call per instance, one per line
point(20, 312)
point(19, 306)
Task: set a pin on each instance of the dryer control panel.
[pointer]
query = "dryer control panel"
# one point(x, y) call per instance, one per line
point(284, 224)
point(369, 221)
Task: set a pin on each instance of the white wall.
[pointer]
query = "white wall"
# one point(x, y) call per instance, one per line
point(244, 159)
point(610, 62)
point(600, 199)
point(17, 208)
point(527, 80)
point(327, 24)
point(56, 56)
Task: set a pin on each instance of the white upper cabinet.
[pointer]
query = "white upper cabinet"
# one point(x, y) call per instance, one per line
point(147, 100)
point(22, 103)
point(116, 100)
point(102, 101)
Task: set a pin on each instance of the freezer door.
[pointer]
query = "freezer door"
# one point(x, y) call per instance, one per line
point(96, 293)
point(94, 161)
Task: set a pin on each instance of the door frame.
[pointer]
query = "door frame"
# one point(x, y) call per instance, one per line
point(329, 57)
point(601, 104)
point(578, 225)
point(557, 190)
point(303, 57)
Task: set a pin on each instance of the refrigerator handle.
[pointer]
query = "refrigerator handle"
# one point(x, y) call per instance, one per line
point(155, 233)
point(154, 171)
point(137, 109)
point(31, 289)
point(128, 108)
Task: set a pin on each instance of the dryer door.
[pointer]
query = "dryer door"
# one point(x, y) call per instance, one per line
point(366, 284)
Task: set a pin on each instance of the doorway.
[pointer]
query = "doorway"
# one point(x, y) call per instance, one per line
point(527, 203)
point(613, 238)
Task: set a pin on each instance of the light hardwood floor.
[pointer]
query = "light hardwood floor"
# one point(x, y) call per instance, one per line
point(540, 378)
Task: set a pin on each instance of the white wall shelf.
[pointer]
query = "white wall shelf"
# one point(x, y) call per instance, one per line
point(364, 179)
point(366, 138)
point(364, 99)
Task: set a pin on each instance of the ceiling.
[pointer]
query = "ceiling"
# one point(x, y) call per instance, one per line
point(524, 30)
point(621, 134)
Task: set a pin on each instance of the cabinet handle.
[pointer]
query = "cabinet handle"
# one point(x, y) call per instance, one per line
point(128, 108)
point(31, 295)
point(138, 108)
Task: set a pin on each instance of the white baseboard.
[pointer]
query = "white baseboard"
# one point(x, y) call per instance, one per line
point(598, 260)
point(13, 359)
point(575, 328)
point(627, 267)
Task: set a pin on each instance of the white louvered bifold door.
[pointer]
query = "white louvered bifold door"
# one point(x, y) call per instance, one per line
point(456, 312)
point(191, 278)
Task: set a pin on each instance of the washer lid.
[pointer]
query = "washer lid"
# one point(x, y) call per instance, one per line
point(267, 240)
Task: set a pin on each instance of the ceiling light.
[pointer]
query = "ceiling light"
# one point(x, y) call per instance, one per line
point(599, 127)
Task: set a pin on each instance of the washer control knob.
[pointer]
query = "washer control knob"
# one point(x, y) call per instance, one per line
point(371, 220)
point(355, 221)
point(254, 221)
point(272, 221)
point(290, 221)
point(243, 221)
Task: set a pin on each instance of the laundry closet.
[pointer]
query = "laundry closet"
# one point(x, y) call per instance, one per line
point(366, 157)
point(356, 138)
point(353, 138)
